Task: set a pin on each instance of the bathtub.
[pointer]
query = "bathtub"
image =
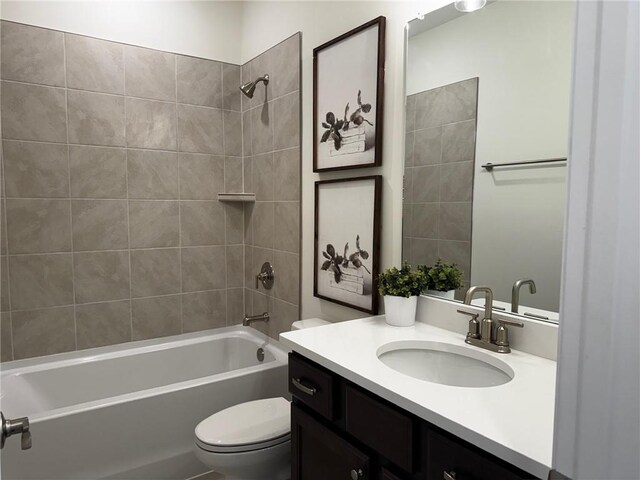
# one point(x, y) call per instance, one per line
point(129, 411)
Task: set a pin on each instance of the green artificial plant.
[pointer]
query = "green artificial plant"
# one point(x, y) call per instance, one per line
point(442, 277)
point(402, 283)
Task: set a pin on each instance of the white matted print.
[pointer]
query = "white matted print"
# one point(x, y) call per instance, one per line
point(348, 93)
point(347, 241)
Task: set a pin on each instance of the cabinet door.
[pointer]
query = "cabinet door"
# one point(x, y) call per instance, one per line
point(387, 475)
point(317, 453)
point(448, 459)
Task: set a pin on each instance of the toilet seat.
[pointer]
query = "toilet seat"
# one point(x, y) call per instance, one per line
point(246, 427)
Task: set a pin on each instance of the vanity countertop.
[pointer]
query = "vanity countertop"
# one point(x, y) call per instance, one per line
point(513, 421)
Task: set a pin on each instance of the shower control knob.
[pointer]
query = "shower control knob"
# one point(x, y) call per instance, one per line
point(357, 474)
point(16, 426)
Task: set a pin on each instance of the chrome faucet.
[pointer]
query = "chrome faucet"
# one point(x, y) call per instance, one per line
point(515, 292)
point(9, 427)
point(486, 326)
point(249, 319)
point(481, 334)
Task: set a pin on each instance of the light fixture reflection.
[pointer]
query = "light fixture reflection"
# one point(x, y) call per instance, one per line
point(467, 6)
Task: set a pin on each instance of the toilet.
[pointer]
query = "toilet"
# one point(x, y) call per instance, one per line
point(251, 440)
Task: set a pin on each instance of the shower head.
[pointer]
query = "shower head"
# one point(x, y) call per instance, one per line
point(250, 87)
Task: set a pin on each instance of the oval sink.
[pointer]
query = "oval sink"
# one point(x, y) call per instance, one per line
point(445, 363)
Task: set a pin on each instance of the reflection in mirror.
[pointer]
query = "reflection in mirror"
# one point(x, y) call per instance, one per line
point(490, 87)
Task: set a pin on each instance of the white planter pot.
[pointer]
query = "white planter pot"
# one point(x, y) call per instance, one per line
point(448, 295)
point(400, 311)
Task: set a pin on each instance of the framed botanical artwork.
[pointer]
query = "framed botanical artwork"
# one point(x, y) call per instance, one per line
point(348, 98)
point(347, 241)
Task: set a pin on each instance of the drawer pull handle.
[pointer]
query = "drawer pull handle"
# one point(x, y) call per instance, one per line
point(357, 474)
point(302, 387)
point(449, 475)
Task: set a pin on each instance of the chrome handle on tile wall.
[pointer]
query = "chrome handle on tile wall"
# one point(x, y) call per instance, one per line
point(15, 426)
point(266, 276)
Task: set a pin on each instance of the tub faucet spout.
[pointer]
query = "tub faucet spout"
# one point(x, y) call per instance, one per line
point(249, 319)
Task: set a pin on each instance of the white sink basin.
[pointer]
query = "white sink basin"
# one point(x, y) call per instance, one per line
point(445, 363)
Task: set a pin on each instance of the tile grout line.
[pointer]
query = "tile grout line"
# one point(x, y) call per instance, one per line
point(116, 300)
point(6, 246)
point(175, 69)
point(226, 248)
point(126, 154)
point(73, 273)
point(81, 252)
point(225, 207)
point(121, 147)
point(124, 95)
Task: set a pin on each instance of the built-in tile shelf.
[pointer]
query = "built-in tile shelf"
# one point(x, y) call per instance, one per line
point(237, 197)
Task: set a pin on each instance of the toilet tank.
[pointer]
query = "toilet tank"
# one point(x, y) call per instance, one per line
point(308, 323)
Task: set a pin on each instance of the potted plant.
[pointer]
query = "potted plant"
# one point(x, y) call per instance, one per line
point(400, 289)
point(443, 279)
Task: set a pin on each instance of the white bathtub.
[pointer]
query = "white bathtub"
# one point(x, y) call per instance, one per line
point(129, 411)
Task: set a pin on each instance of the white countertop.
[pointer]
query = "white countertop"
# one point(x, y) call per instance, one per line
point(513, 421)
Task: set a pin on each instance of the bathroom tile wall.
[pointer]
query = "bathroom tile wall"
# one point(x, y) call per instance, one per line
point(113, 156)
point(272, 170)
point(438, 175)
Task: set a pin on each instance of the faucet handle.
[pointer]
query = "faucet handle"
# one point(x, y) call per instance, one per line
point(511, 323)
point(474, 324)
point(502, 334)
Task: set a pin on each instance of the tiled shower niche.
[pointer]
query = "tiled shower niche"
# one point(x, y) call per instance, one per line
point(438, 175)
point(113, 156)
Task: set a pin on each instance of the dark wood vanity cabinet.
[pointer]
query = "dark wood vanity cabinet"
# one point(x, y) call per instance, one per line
point(341, 431)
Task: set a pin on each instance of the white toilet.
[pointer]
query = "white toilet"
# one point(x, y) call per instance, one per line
point(251, 440)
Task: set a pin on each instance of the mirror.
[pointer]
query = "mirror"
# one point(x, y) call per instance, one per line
point(490, 87)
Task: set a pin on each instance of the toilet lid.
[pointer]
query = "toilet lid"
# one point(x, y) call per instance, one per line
point(265, 421)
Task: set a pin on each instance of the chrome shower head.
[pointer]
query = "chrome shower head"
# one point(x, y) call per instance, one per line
point(249, 88)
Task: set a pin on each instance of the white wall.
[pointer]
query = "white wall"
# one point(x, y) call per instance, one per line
point(203, 29)
point(265, 23)
point(597, 421)
point(521, 51)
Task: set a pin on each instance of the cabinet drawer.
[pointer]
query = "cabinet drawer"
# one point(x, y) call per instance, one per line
point(314, 386)
point(381, 427)
point(449, 456)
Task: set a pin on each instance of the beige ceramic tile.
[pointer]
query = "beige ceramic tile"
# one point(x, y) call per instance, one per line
point(98, 172)
point(203, 268)
point(152, 175)
point(153, 224)
point(204, 310)
point(155, 317)
point(150, 73)
point(43, 332)
point(155, 272)
point(94, 64)
point(39, 281)
point(99, 224)
point(38, 226)
point(31, 54)
point(96, 118)
point(101, 276)
point(101, 324)
point(151, 124)
point(36, 169)
point(32, 112)
point(199, 81)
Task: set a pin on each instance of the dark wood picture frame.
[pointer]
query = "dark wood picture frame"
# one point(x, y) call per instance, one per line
point(375, 251)
point(380, 22)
